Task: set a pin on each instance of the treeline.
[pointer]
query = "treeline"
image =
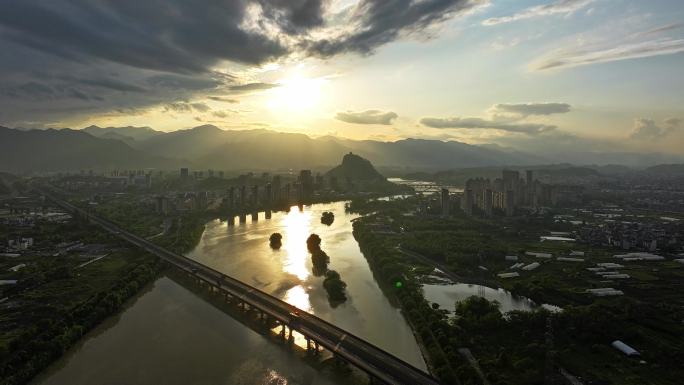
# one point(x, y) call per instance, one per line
point(430, 325)
point(41, 344)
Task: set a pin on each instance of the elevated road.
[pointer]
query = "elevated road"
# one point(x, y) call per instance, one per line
point(379, 364)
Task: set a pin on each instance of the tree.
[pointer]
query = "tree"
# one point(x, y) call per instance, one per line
point(275, 240)
point(335, 287)
point(313, 243)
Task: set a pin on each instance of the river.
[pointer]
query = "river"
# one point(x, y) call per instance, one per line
point(169, 335)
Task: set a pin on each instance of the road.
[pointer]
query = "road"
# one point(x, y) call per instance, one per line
point(378, 363)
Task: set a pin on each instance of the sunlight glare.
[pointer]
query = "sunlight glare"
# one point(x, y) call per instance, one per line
point(297, 94)
point(297, 229)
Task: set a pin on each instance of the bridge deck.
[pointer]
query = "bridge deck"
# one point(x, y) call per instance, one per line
point(369, 358)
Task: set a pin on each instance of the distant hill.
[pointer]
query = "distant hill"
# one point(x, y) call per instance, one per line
point(212, 147)
point(129, 134)
point(208, 146)
point(355, 168)
point(64, 150)
point(666, 169)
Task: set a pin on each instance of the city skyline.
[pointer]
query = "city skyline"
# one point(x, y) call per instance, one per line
point(564, 75)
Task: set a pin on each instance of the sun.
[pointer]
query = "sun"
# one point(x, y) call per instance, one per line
point(297, 94)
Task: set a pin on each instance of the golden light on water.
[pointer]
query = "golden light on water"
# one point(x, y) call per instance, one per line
point(296, 225)
point(298, 297)
point(296, 229)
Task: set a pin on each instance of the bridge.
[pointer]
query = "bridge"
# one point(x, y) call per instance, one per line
point(380, 365)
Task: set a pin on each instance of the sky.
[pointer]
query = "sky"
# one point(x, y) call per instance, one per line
point(538, 76)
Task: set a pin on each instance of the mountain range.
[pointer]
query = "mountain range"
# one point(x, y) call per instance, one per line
point(208, 146)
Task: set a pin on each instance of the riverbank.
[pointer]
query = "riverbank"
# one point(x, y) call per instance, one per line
point(407, 289)
point(68, 307)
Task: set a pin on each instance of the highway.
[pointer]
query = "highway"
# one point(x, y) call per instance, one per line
point(378, 363)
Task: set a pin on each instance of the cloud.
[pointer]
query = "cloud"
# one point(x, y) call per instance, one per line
point(367, 117)
point(185, 107)
point(109, 56)
point(378, 22)
point(41, 92)
point(170, 35)
point(111, 84)
point(527, 109)
point(479, 123)
point(614, 53)
point(223, 99)
point(252, 87)
point(614, 48)
point(221, 114)
point(648, 129)
point(201, 107)
point(561, 7)
point(294, 16)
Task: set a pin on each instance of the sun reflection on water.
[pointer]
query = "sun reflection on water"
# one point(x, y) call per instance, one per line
point(296, 225)
point(297, 296)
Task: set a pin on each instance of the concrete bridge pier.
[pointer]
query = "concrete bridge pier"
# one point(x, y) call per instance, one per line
point(231, 220)
point(290, 337)
point(255, 216)
point(268, 214)
point(243, 218)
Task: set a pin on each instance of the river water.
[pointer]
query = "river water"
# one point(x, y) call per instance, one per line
point(169, 335)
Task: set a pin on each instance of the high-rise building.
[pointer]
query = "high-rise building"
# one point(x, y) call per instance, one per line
point(509, 202)
point(230, 199)
point(275, 183)
point(162, 205)
point(184, 172)
point(488, 202)
point(320, 183)
point(255, 195)
point(306, 181)
point(445, 202)
point(243, 196)
point(467, 201)
point(269, 194)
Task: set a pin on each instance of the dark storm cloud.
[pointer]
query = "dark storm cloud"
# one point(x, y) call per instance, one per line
point(41, 92)
point(294, 16)
point(73, 59)
point(111, 84)
point(383, 21)
point(169, 35)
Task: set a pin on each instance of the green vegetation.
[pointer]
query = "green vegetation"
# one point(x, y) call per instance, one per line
point(56, 302)
point(327, 218)
point(524, 347)
point(275, 240)
point(335, 287)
